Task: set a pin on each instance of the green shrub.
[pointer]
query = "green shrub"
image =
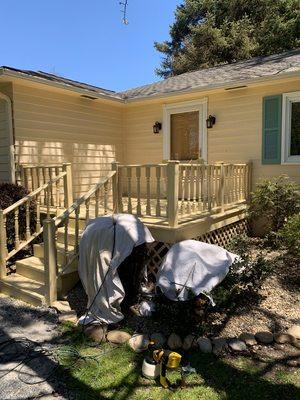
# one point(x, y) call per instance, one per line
point(290, 234)
point(274, 201)
point(10, 194)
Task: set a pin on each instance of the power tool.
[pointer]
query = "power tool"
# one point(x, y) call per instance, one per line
point(158, 362)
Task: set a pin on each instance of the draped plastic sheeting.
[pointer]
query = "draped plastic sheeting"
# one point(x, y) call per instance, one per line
point(122, 232)
point(191, 267)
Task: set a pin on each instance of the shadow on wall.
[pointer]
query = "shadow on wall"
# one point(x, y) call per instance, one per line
point(90, 161)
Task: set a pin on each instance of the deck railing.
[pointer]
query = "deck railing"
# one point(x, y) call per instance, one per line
point(33, 176)
point(93, 204)
point(176, 191)
point(30, 205)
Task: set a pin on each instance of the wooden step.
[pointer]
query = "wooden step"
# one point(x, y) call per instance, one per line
point(31, 268)
point(38, 251)
point(71, 236)
point(24, 289)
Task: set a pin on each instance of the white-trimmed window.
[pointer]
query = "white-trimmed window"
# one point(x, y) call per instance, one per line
point(184, 130)
point(291, 128)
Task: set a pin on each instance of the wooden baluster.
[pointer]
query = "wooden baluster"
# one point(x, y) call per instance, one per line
point(188, 190)
point(222, 187)
point(17, 238)
point(208, 182)
point(38, 214)
point(241, 184)
point(27, 211)
point(77, 214)
point(158, 194)
point(138, 191)
point(50, 261)
point(197, 191)
point(105, 197)
point(50, 177)
point(48, 199)
point(44, 181)
point(200, 187)
point(87, 211)
point(26, 178)
point(194, 187)
point(57, 192)
point(172, 193)
point(183, 186)
point(148, 190)
point(66, 237)
point(97, 195)
point(120, 189)
point(3, 244)
point(129, 202)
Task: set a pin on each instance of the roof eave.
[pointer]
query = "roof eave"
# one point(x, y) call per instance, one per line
point(214, 87)
point(18, 75)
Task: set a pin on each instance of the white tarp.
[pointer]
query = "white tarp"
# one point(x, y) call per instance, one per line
point(192, 267)
point(95, 251)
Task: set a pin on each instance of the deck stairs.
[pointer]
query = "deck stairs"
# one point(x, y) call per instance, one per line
point(27, 283)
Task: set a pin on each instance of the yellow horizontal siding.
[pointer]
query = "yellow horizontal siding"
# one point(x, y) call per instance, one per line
point(54, 128)
point(236, 136)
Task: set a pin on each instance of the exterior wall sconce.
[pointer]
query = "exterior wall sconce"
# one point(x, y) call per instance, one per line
point(157, 127)
point(211, 120)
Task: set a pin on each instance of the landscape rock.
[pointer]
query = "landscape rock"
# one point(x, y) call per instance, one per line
point(174, 341)
point(282, 338)
point(188, 342)
point(237, 345)
point(248, 338)
point(139, 342)
point(67, 316)
point(95, 332)
point(294, 331)
point(61, 306)
point(219, 345)
point(159, 339)
point(264, 337)
point(118, 337)
point(204, 344)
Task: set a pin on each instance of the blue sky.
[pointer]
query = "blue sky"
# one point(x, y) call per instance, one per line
point(85, 40)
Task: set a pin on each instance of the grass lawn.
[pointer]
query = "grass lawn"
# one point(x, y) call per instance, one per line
point(115, 373)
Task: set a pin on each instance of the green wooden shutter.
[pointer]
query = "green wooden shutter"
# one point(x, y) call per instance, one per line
point(271, 133)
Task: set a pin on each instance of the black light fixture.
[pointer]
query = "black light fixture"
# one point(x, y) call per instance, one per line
point(211, 120)
point(156, 127)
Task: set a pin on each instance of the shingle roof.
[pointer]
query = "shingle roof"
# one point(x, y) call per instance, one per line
point(59, 79)
point(221, 75)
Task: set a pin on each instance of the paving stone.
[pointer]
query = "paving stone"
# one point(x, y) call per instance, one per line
point(96, 332)
point(204, 344)
point(219, 345)
point(188, 342)
point(118, 337)
point(139, 342)
point(237, 345)
point(265, 337)
point(248, 338)
point(294, 331)
point(174, 341)
point(282, 338)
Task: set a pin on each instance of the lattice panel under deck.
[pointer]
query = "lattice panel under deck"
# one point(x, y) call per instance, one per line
point(221, 237)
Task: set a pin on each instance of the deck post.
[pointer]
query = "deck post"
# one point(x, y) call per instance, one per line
point(115, 192)
point(68, 186)
point(222, 187)
point(50, 261)
point(3, 248)
point(172, 192)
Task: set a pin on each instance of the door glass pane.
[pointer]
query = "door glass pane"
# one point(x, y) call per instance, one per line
point(295, 130)
point(185, 136)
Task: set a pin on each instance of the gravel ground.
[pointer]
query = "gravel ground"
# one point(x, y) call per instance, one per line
point(24, 371)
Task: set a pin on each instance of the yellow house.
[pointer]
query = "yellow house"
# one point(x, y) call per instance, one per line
point(224, 128)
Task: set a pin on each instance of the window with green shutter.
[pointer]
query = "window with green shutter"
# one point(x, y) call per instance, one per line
point(271, 134)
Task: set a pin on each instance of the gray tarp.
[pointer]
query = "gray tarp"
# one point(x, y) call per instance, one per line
point(192, 267)
point(95, 251)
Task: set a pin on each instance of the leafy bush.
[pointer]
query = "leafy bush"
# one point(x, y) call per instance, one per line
point(9, 194)
point(290, 234)
point(274, 201)
point(245, 275)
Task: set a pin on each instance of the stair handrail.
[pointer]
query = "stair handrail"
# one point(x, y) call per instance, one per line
point(19, 244)
point(51, 225)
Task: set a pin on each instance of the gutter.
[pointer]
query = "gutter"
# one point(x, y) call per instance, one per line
point(19, 75)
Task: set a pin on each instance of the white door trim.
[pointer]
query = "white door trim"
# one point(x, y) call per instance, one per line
point(186, 106)
point(11, 154)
